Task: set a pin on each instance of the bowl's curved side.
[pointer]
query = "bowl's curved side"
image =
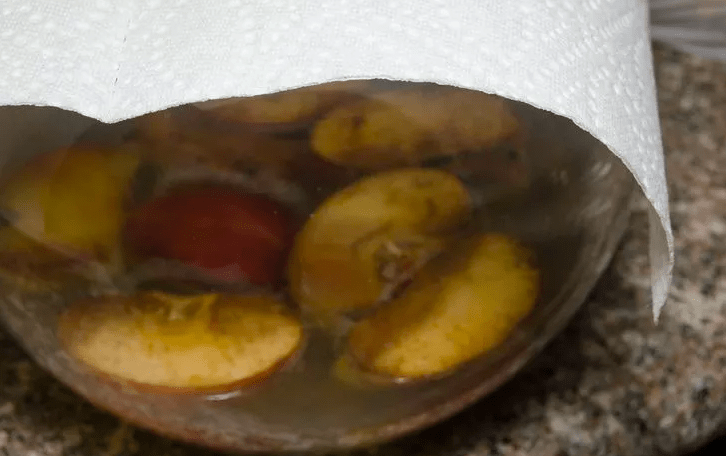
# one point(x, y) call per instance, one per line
point(574, 215)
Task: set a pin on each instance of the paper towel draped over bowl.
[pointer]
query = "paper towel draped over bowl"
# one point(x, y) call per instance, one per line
point(588, 61)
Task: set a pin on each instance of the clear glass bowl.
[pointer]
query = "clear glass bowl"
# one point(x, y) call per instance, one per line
point(572, 214)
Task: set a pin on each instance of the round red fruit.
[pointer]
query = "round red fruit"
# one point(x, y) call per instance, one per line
point(226, 234)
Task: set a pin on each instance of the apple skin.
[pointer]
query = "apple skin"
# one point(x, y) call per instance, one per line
point(226, 234)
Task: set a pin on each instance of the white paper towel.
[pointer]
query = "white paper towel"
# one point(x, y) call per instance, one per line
point(588, 60)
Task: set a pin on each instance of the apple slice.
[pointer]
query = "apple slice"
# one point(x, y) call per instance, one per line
point(72, 199)
point(457, 308)
point(413, 124)
point(370, 237)
point(31, 266)
point(205, 343)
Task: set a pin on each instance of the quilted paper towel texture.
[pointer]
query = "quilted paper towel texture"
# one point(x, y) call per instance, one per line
point(588, 60)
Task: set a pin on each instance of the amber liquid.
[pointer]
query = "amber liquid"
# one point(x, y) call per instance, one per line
point(514, 190)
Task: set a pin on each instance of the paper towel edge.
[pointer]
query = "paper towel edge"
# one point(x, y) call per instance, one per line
point(660, 230)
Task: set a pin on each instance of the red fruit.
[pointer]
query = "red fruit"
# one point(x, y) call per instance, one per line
point(228, 235)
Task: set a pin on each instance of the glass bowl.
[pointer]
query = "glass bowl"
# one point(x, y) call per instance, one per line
point(572, 213)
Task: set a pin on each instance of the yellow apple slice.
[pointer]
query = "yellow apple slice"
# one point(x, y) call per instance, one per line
point(457, 308)
point(373, 234)
point(205, 343)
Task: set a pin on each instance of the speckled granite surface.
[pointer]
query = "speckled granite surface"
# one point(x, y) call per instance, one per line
point(612, 383)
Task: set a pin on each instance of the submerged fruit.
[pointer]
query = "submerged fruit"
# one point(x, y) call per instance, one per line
point(456, 309)
point(32, 266)
point(290, 108)
point(185, 137)
point(229, 235)
point(372, 235)
point(408, 126)
point(187, 143)
point(72, 199)
point(179, 343)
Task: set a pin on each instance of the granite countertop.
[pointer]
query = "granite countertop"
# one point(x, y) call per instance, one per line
point(613, 383)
